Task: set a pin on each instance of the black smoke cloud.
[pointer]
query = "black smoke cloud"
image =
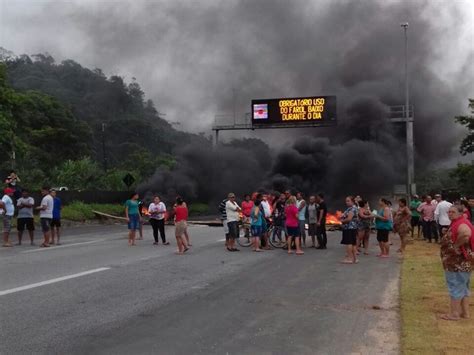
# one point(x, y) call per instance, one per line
point(190, 55)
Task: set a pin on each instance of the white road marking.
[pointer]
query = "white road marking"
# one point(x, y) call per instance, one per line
point(221, 240)
point(47, 282)
point(62, 246)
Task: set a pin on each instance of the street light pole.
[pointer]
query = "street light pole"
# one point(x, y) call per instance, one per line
point(409, 123)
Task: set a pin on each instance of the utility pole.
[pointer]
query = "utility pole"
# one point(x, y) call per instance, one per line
point(104, 155)
point(409, 124)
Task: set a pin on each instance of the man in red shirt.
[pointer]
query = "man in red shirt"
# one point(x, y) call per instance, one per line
point(427, 210)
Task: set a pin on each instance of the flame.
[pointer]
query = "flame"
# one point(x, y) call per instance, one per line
point(146, 213)
point(334, 218)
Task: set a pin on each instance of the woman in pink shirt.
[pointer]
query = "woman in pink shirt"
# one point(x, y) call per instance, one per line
point(292, 223)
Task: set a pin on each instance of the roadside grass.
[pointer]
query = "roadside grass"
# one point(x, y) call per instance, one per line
point(79, 211)
point(197, 209)
point(424, 297)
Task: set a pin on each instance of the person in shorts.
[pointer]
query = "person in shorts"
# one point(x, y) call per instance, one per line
point(46, 215)
point(133, 218)
point(457, 257)
point(292, 225)
point(232, 210)
point(56, 221)
point(25, 219)
point(181, 225)
point(383, 225)
point(415, 216)
point(350, 226)
point(8, 209)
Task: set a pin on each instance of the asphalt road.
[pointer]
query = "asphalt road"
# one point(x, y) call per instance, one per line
point(95, 294)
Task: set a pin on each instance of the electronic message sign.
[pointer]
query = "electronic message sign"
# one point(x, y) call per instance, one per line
point(305, 111)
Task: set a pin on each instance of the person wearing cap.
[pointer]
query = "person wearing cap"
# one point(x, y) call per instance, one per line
point(46, 214)
point(233, 216)
point(8, 209)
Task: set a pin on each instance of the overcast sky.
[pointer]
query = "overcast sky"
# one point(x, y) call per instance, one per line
point(189, 55)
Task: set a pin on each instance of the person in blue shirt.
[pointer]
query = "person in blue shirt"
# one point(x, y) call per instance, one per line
point(256, 224)
point(56, 221)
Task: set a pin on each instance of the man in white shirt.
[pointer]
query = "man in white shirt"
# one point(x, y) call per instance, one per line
point(441, 214)
point(46, 214)
point(8, 209)
point(233, 217)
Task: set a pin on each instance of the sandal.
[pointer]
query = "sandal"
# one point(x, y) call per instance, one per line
point(449, 317)
point(258, 250)
point(299, 253)
point(166, 243)
point(44, 245)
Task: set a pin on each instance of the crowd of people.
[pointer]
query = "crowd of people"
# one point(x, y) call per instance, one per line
point(157, 216)
point(288, 214)
point(16, 199)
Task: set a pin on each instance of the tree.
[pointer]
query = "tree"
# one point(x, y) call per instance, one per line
point(467, 144)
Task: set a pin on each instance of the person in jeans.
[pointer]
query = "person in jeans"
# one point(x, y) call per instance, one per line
point(232, 210)
point(428, 222)
point(6, 204)
point(56, 222)
point(456, 256)
point(321, 224)
point(256, 224)
point(157, 210)
point(278, 216)
point(312, 220)
point(301, 205)
point(133, 218)
point(223, 218)
point(25, 219)
point(46, 215)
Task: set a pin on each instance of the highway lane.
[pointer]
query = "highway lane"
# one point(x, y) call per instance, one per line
point(149, 300)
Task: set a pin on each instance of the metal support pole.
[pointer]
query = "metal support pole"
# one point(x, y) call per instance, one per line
point(104, 155)
point(216, 140)
point(409, 124)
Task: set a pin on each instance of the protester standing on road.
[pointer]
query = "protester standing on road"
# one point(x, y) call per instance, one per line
point(56, 222)
point(301, 205)
point(441, 215)
point(402, 223)
point(383, 225)
point(232, 210)
point(278, 216)
point(157, 210)
point(181, 225)
point(133, 218)
point(25, 217)
point(256, 224)
point(427, 210)
point(312, 220)
point(457, 256)
point(247, 206)
point(223, 218)
point(292, 225)
point(8, 209)
point(415, 216)
point(46, 215)
point(365, 220)
point(349, 231)
point(321, 224)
